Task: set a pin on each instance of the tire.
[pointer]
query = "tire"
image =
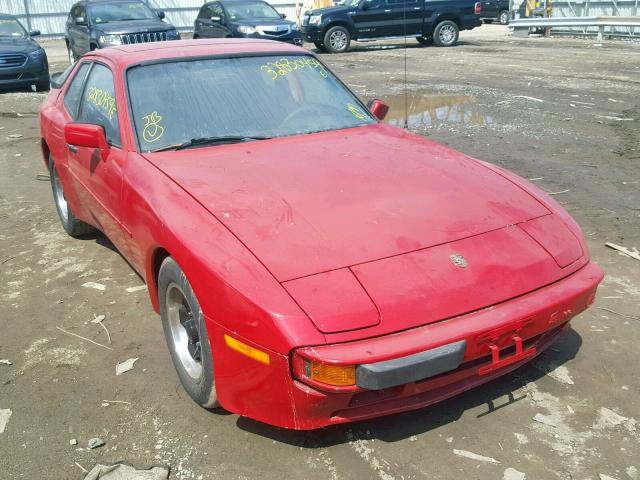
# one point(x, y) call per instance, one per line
point(72, 56)
point(43, 85)
point(337, 40)
point(425, 40)
point(503, 17)
point(446, 34)
point(320, 46)
point(186, 334)
point(74, 227)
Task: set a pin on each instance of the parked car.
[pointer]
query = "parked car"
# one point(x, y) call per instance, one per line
point(439, 21)
point(95, 24)
point(495, 10)
point(22, 61)
point(333, 268)
point(244, 19)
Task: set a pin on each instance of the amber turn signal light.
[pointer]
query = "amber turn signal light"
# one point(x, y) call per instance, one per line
point(336, 375)
point(320, 374)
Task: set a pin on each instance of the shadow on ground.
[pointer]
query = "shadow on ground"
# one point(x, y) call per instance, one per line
point(400, 426)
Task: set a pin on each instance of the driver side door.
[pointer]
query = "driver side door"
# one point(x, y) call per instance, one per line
point(372, 19)
point(79, 32)
point(98, 173)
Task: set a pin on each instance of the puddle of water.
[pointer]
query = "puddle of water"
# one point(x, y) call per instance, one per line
point(427, 110)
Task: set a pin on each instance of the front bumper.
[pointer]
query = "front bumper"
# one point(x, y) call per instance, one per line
point(311, 33)
point(32, 72)
point(492, 336)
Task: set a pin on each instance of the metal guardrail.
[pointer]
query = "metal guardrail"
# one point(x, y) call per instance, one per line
point(600, 22)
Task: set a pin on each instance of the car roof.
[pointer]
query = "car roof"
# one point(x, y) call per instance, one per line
point(231, 2)
point(130, 54)
point(91, 2)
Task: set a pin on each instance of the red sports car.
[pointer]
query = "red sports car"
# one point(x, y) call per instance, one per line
point(311, 265)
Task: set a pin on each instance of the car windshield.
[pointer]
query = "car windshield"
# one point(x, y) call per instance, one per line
point(121, 11)
point(246, 10)
point(10, 27)
point(266, 96)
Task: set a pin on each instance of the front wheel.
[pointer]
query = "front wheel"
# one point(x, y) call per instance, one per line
point(425, 40)
point(446, 34)
point(43, 85)
point(337, 40)
point(186, 334)
point(504, 17)
point(72, 56)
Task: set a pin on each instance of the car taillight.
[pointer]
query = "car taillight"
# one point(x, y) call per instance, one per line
point(477, 9)
point(323, 375)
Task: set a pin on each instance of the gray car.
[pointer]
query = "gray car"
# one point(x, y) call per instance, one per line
point(22, 61)
point(94, 24)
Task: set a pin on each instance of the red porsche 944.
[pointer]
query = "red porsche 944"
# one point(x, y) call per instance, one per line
point(310, 264)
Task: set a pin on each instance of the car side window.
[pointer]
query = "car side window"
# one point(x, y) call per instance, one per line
point(203, 12)
point(98, 105)
point(377, 3)
point(72, 97)
point(217, 11)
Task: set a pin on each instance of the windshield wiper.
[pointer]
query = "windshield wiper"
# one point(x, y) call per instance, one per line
point(200, 142)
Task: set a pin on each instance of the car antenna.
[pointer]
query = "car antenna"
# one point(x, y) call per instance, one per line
point(406, 101)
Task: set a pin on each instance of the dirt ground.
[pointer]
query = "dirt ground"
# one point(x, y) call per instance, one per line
point(563, 112)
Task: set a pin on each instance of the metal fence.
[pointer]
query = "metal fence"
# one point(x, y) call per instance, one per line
point(597, 8)
point(49, 16)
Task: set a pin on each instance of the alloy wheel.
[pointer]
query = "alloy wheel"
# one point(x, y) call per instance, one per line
point(185, 334)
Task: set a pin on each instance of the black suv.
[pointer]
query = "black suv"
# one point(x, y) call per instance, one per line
point(22, 61)
point(438, 21)
point(493, 10)
point(94, 24)
point(244, 18)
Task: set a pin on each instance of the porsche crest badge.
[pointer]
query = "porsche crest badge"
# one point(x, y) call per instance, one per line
point(458, 260)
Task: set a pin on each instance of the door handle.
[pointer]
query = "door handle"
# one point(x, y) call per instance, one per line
point(72, 148)
point(416, 8)
point(387, 11)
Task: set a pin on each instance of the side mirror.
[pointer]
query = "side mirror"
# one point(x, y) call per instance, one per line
point(216, 18)
point(365, 5)
point(56, 81)
point(283, 15)
point(80, 21)
point(378, 108)
point(34, 33)
point(161, 14)
point(85, 135)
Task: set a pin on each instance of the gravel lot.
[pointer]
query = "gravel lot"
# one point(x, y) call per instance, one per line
point(563, 112)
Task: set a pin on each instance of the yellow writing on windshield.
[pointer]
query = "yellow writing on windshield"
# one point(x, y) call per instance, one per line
point(102, 99)
point(153, 131)
point(285, 66)
point(356, 111)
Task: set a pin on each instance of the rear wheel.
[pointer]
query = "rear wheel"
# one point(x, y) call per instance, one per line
point(186, 334)
point(504, 17)
point(337, 40)
point(425, 40)
point(71, 225)
point(446, 34)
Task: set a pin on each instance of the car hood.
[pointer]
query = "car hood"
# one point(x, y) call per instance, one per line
point(133, 26)
point(319, 202)
point(17, 45)
point(329, 10)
